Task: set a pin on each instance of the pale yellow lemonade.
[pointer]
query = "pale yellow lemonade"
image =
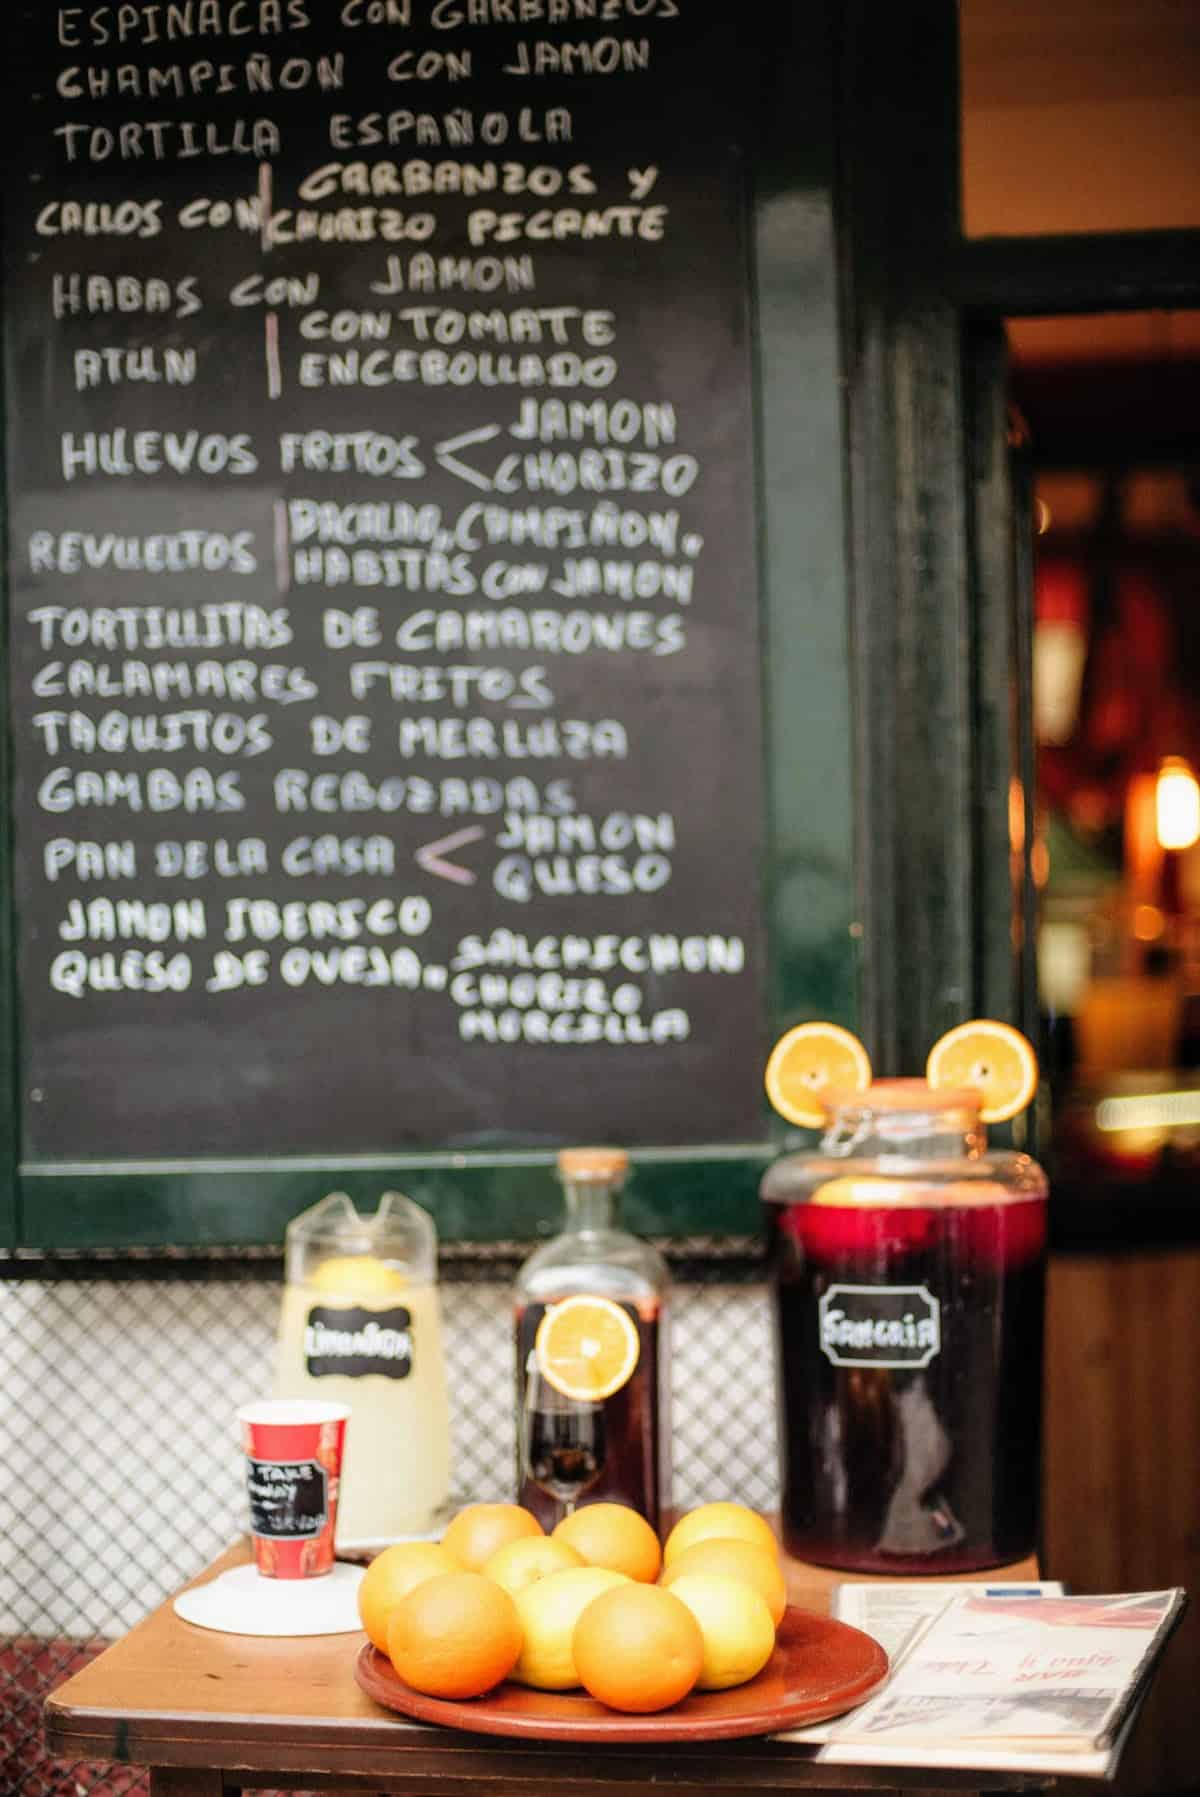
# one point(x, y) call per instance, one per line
point(358, 1311)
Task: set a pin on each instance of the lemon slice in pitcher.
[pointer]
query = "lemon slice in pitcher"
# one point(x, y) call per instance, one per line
point(811, 1060)
point(357, 1276)
point(993, 1059)
point(587, 1348)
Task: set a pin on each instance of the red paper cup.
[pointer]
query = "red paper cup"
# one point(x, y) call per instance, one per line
point(293, 1468)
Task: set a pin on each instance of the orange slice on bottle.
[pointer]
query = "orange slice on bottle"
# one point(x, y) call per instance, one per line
point(810, 1061)
point(992, 1058)
point(587, 1348)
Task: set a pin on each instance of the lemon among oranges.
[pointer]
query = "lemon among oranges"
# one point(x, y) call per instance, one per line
point(597, 1604)
point(549, 1612)
point(730, 1557)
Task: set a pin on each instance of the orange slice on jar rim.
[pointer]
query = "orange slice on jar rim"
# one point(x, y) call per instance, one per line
point(992, 1059)
point(587, 1348)
point(808, 1064)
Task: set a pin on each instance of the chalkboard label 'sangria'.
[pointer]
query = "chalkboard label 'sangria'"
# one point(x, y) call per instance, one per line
point(880, 1325)
point(384, 663)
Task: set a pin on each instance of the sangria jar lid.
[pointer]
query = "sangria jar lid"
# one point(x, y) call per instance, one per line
point(903, 1095)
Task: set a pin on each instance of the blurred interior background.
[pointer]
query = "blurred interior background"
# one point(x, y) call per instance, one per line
point(1085, 117)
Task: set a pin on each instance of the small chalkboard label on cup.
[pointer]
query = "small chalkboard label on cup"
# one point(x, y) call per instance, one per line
point(289, 1499)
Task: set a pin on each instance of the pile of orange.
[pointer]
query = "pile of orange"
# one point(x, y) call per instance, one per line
point(598, 1604)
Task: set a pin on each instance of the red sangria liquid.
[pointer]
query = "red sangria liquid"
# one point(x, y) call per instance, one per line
point(909, 1360)
point(617, 1456)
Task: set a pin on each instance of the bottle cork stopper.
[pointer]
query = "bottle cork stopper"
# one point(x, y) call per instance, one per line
point(593, 1163)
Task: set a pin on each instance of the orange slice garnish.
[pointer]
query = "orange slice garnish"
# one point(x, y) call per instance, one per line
point(994, 1059)
point(587, 1348)
point(810, 1061)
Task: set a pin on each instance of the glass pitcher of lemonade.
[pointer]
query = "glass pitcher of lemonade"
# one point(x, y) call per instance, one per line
point(360, 1324)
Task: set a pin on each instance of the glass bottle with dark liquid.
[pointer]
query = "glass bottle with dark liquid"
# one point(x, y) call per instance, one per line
point(907, 1271)
point(617, 1450)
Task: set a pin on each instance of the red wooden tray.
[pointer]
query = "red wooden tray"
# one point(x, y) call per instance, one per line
point(818, 1669)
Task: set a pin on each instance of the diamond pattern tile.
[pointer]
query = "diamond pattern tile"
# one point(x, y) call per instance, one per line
point(121, 1476)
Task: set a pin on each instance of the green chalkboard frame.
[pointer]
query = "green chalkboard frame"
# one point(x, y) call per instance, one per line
point(809, 874)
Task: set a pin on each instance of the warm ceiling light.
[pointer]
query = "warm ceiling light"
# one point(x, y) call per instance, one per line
point(1059, 655)
point(1059, 647)
point(1176, 804)
point(1016, 816)
point(1156, 1110)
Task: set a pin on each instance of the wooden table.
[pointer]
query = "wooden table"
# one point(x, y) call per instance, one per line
point(212, 1713)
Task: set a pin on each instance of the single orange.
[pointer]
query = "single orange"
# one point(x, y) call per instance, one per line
point(719, 1520)
point(739, 1636)
point(587, 1347)
point(807, 1064)
point(548, 1612)
point(392, 1575)
point(638, 1648)
point(615, 1536)
point(734, 1559)
point(521, 1563)
point(990, 1058)
point(480, 1530)
point(456, 1635)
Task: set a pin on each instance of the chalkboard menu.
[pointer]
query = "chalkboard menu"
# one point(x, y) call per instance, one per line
point(384, 661)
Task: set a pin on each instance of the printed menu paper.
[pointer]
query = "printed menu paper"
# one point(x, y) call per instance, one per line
point(897, 1615)
point(1004, 1679)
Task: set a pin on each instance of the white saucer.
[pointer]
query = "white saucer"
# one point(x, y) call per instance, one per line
point(242, 1602)
point(369, 1546)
